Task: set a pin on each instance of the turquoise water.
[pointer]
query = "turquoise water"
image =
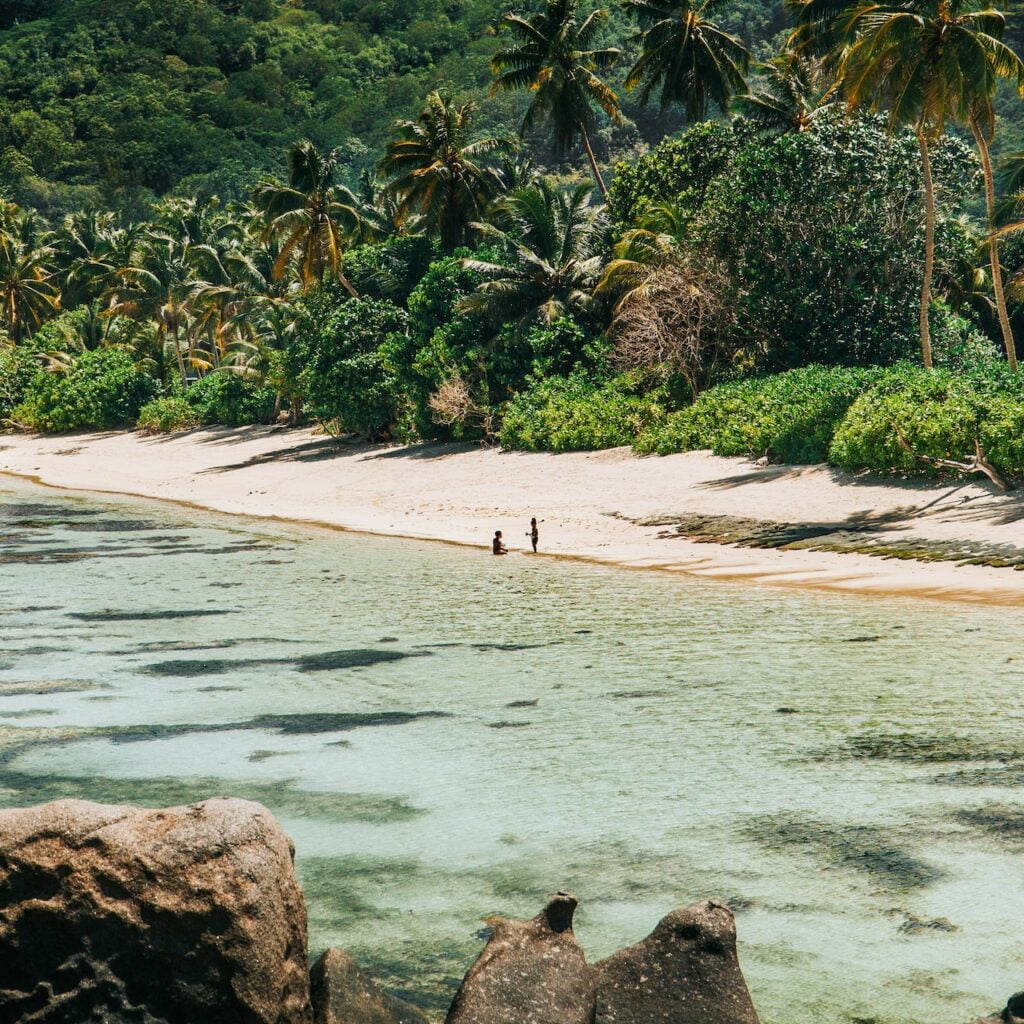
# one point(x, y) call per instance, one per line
point(448, 736)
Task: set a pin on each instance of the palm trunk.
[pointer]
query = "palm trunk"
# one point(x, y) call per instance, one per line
point(993, 247)
point(177, 352)
point(593, 163)
point(929, 248)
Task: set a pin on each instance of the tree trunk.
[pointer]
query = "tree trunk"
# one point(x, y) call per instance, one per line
point(993, 247)
point(593, 163)
point(177, 352)
point(929, 248)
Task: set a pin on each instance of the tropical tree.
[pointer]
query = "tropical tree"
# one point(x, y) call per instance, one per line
point(553, 249)
point(928, 62)
point(553, 56)
point(311, 215)
point(793, 95)
point(685, 57)
point(28, 293)
point(436, 170)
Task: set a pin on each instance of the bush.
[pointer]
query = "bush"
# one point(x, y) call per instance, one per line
point(18, 369)
point(98, 391)
point(575, 413)
point(790, 416)
point(163, 415)
point(230, 399)
point(940, 413)
point(347, 375)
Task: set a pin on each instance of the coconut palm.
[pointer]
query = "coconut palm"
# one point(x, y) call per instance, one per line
point(685, 57)
point(553, 251)
point(553, 57)
point(28, 292)
point(928, 62)
point(436, 170)
point(792, 96)
point(311, 215)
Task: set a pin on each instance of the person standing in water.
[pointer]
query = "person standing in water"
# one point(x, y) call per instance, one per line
point(534, 534)
point(497, 547)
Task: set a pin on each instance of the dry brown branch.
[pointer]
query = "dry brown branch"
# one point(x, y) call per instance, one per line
point(681, 319)
point(453, 403)
point(976, 463)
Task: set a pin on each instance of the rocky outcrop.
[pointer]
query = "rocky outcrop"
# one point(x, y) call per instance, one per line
point(343, 994)
point(1012, 1013)
point(685, 972)
point(530, 972)
point(121, 914)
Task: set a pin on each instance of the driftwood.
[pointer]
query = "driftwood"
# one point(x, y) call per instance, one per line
point(977, 463)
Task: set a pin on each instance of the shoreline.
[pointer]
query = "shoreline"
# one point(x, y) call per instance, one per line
point(608, 507)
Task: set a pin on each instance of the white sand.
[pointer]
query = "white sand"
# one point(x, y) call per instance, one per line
point(462, 493)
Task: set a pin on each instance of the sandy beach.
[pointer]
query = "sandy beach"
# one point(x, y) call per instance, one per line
point(591, 505)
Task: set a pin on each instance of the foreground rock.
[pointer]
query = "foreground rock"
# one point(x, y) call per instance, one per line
point(685, 972)
point(530, 972)
point(121, 914)
point(1012, 1013)
point(343, 994)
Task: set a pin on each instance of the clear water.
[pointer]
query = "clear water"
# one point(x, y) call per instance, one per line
point(844, 771)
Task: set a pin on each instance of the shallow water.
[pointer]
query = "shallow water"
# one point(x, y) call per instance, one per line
point(448, 736)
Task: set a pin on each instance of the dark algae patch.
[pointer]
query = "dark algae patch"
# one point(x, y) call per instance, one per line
point(326, 661)
point(111, 615)
point(1000, 821)
point(866, 849)
point(282, 797)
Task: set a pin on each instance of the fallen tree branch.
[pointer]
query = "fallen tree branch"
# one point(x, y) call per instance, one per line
point(976, 463)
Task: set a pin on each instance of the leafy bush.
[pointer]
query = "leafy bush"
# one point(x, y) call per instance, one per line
point(940, 413)
point(575, 413)
point(790, 416)
point(163, 415)
point(230, 399)
point(347, 376)
point(98, 391)
point(18, 369)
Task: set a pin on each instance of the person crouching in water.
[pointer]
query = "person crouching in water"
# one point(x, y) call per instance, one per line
point(497, 548)
point(534, 534)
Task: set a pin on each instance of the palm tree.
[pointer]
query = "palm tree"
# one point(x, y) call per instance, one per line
point(928, 62)
point(553, 58)
point(792, 97)
point(28, 293)
point(436, 170)
point(686, 56)
point(553, 253)
point(312, 215)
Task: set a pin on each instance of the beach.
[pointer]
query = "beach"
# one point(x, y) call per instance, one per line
point(608, 506)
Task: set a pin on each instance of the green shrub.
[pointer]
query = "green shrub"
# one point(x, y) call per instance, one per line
point(940, 413)
point(347, 375)
point(163, 415)
point(230, 399)
point(18, 369)
point(789, 416)
point(575, 413)
point(99, 390)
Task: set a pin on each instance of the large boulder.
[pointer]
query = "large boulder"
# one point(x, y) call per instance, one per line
point(122, 914)
point(530, 972)
point(685, 972)
point(343, 994)
point(1012, 1013)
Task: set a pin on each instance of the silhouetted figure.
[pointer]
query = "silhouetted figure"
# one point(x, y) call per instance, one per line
point(497, 548)
point(534, 534)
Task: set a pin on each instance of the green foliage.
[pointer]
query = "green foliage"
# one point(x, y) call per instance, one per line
point(230, 399)
point(99, 390)
point(390, 269)
point(791, 416)
point(167, 414)
point(678, 171)
point(347, 376)
point(941, 414)
point(19, 368)
point(577, 413)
